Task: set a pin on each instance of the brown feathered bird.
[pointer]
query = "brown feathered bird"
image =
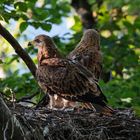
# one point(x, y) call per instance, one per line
point(55, 102)
point(87, 52)
point(65, 78)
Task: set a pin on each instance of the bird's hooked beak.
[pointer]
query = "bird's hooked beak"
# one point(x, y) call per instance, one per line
point(36, 43)
point(31, 43)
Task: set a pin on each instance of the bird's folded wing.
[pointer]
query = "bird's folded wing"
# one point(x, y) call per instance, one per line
point(68, 79)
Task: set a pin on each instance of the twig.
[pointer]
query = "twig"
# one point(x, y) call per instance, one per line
point(18, 49)
point(5, 96)
point(43, 101)
point(26, 101)
point(6, 118)
point(12, 128)
point(26, 97)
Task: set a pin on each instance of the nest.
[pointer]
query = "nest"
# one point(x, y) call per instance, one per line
point(83, 125)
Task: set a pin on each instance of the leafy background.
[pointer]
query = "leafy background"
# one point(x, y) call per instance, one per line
point(118, 23)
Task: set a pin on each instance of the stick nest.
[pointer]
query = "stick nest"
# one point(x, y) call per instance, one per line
point(85, 125)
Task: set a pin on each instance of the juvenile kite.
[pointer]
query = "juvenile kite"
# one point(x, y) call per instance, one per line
point(65, 78)
point(87, 52)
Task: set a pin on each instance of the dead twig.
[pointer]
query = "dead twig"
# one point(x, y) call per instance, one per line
point(23, 99)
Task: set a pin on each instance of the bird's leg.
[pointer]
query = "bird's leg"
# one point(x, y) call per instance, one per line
point(58, 101)
point(68, 105)
point(65, 103)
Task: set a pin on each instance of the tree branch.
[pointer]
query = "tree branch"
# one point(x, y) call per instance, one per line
point(83, 8)
point(18, 49)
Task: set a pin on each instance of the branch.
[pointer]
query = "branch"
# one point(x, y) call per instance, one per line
point(27, 97)
point(18, 49)
point(6, 120)
point(12, 128)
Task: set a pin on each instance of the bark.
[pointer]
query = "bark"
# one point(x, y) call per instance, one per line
point(84, 10)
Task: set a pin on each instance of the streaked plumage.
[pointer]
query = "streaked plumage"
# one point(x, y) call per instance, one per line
point(65, 78)
point(87, 52)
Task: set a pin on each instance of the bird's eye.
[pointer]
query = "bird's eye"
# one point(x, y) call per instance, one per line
point(37, 40)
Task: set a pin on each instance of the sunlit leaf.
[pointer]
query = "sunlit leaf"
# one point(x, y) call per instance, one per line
point(21, 6)
point(23, 26)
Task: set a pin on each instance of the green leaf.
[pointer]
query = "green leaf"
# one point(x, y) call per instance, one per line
point(2, 1)
point(53, 3)
point(20, 6)
point(41, 11)
point(10, 60)
point(35, 24)
point(5, 17)
point(1, 62)
point(77, 26)
point(55, 20)
point(23, 26)
point(137, 23)
point(46, 27)
point(91, 1)
point(65, 8)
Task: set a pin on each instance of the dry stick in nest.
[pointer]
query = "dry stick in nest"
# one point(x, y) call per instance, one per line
point(21, 53)
point(8, 119)
point(26, 97)
point(12, 128)
point(9, 122)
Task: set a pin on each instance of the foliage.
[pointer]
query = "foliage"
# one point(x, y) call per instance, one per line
point(123, 92)
point(119, 26)
point(35, 13)
point(18, 86)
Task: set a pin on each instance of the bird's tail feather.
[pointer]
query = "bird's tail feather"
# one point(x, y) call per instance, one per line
point(106, 110)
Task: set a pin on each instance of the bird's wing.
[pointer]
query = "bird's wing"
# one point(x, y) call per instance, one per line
point(89, 58)
point(67, 79)
point(87, 52)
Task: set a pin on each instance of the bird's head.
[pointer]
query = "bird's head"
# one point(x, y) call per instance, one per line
point(92, 36)
point(91, 33)
point(41, 41)
point(46, 47)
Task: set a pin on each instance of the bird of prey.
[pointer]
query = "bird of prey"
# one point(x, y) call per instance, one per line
point(87, 52)
point(65, 78)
